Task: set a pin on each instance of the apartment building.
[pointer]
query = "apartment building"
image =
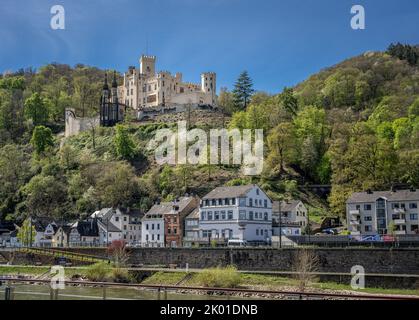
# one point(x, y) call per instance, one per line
point(238, 212)
point(383, 212)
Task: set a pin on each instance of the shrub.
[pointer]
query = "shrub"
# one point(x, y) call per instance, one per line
point(98, 271)
point(121, 275)
point(219, 277)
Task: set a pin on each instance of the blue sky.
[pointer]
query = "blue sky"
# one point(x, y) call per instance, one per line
point(280, 42)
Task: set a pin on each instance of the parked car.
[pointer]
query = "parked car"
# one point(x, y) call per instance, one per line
point(236, 243)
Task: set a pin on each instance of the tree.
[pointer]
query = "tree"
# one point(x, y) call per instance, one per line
point(281, 144)
point(45, 196)
point(42, 139)
point(118, 186)
point(289, 101)
point(243, 90)
point(124, 145)
point(36, 108)
point(26, 233)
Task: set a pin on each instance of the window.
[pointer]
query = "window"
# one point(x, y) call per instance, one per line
point(257, 232)
point(217, 215)
point(203, 215)
point(116, 219)
point(413, 216)
point(174, 231)
point(146, 237)
point(251, 215)
point(158, 237)
point(146, 226)
point(367, 207)
point(223, 215)
point(169, 231)
point(158, 226)
point(233, 201)
point(220, 202)
point(209, 215)
point(250, 202)
point(368, 228)
point(265, 203)
point(152, 226)
point(358, 207)
point(214, 202)
point(266, 216)
point(413, 205)
point(230, 215)
point(367, 218)
point(242, 215)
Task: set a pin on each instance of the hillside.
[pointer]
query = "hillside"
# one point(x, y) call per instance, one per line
point(354, 125)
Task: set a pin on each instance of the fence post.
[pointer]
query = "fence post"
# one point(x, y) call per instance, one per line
point(158, 294)
point(165, 293)
point(104, 292)
point(8, 293)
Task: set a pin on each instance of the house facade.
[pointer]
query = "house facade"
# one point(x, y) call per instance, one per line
point(163, 224)
point(84, 233)
point(383, 212)
point(289, 217)
point(238, 212)
point(191, 227)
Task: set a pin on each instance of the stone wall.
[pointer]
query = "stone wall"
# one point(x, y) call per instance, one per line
point(387, 261)
point(75, 125)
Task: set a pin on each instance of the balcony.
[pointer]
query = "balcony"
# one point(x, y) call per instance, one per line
point(399, 222)
point(355, 222)
point(355, 233)
point(354, 212)
point(400, 232)
point(399, 210)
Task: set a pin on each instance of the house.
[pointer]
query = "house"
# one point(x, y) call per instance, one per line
point(152, 227)
point(237, 212)
point(191, 228)
point(7, 229)
point(174, 220)
point(163, 224)
point(383, 212)
point(84, 233)
point(45, 229)
point(289, 216)
point(119, 224)
point(61, 237)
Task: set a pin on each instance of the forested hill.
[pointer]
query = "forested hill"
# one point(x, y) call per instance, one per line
point(354, 125)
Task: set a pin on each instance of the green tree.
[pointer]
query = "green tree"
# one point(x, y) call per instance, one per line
point(243, 90)
point(124, 145)
point(289, 100)
point(26, 233)
point(45, 196)
point(281, 145)
point(42, 139)
point(36, 108)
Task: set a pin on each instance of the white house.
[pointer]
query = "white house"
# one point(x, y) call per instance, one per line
point(238, 212)
point(290, 217)
point(152, 227)
point(119, 224)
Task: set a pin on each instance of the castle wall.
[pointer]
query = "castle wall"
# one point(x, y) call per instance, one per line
point(74, 125)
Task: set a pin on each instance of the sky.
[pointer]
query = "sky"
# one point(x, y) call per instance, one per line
point(279, 42)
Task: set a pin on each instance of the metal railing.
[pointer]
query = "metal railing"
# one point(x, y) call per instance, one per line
point(164, 289)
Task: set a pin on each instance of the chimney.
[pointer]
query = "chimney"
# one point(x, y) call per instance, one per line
point(369, 191)
point(412, 189)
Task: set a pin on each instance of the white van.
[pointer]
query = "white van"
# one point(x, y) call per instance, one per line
point(237, 243)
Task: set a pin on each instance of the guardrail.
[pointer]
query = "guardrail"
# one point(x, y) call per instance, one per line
point(54, 293)
point(62, 254)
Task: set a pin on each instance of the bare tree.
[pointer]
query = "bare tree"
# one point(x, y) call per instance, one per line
point(305, 264)
point(118, 250)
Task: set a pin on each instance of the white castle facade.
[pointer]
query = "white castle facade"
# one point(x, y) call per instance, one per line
point(146, 90)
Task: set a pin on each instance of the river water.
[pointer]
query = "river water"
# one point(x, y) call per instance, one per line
point(42, 292)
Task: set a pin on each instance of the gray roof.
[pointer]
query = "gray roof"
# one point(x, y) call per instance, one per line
point(194, 214)
point(105, 213)
point(399, 195)
point(229, 192)
point(286, 206)
point(109, 226)
point(166, 207)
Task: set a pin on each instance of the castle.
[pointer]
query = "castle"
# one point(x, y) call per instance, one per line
point(147, 91)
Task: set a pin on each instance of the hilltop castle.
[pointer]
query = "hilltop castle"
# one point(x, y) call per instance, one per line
point(145, 90)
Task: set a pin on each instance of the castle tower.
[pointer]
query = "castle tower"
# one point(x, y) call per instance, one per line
point(209, 85)
point(148, 65)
